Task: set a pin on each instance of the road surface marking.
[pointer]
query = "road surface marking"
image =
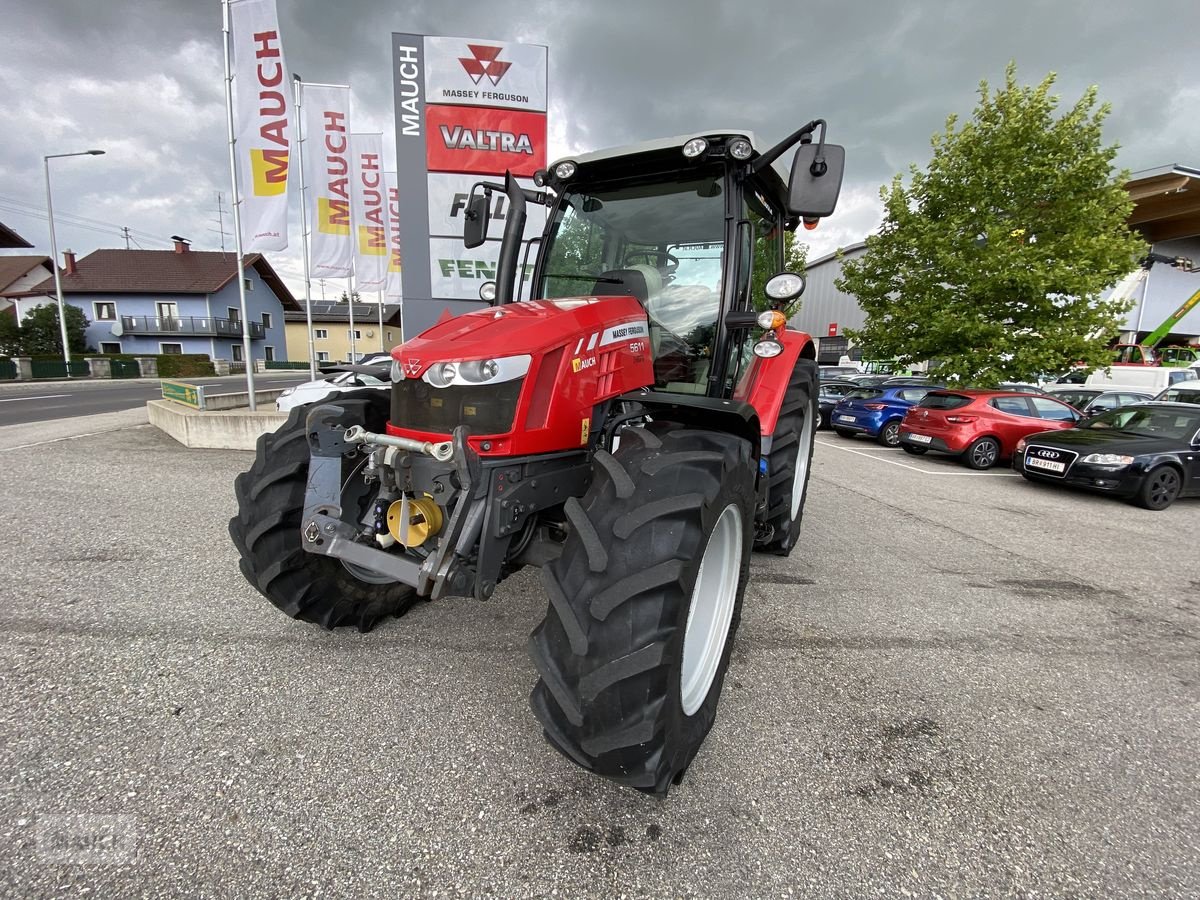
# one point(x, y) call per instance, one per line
point(42, 397)
point(893, 462)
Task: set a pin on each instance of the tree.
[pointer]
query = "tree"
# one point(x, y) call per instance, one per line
point(345, 298)
point(39, 333)
point(993, 260)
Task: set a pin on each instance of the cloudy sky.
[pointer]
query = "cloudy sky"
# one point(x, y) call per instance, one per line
point(143, 81)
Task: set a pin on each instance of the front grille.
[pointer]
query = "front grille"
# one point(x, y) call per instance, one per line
point(1051, 455)
point(483, 408)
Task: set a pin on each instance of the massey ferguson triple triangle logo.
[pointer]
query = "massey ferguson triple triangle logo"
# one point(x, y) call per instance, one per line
point(484, 61)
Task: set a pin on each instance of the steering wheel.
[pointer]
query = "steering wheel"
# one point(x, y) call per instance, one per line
point(660, 259)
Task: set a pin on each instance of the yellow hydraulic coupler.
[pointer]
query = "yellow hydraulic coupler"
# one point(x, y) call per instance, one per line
point(413, 520)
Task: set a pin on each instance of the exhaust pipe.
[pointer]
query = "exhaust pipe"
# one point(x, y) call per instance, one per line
point(514, 232)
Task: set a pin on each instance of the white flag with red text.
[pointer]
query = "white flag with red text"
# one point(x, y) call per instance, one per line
point(261, 108)
point(328, 175)
point(393, 292)
point(369, 212)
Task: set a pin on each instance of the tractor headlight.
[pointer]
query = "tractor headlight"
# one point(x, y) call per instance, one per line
point(695, 147)
point(740, 149)
point(785, 286)
point(477, 371)
point(397, 370)
point(564, 170)
point(1107, 459)
point(768, 347)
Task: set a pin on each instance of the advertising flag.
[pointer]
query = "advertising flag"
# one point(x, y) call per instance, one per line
point(369, 212)
point(260, 88)
point(393, 292)
point(328, 172)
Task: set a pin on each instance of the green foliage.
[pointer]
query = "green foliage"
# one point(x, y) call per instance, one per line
point(345, 298)
point(173, 365)
point(993, 259)
point(39, 333)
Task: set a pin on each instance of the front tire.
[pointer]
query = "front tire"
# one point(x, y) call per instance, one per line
point(1159, 488)
point(266, 530)
point(790, 462)
point(644, 603)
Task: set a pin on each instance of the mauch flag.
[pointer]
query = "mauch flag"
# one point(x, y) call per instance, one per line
point(260, 87)
point(393, 291)
point(327, 171)
point(369, 212)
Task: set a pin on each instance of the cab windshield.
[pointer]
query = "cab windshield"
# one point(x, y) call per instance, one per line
point(658, 241)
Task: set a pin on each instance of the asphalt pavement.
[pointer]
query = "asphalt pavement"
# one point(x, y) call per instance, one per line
point(960, 684)
point(42, 401)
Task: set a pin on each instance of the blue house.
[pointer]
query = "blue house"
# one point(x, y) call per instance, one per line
point(173, 301)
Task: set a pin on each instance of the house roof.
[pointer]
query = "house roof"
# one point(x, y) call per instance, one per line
point(13, 268)
point(366, 313)
point(9, 238)
point(1166, 202)
point(848, 249)
point(163, 272)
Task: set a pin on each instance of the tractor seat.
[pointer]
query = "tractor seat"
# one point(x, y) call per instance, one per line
point(642, 282)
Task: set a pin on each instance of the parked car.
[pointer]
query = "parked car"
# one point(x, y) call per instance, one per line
point(1094, 400)
point(1019, 387)
point(1148, 453)
point(350, 378)
point(1184, 392)
point(876, 411)
point(980, 427)
point(1143, 378)
point(830, 393)
point(831, 372)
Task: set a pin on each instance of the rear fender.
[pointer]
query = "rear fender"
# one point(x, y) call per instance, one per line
point(765, 382)
point(732, 416)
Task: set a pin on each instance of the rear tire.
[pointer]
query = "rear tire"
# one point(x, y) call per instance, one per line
point(618, 694)
point(1159, 488)
point(266, 530)
point(790, 462)
point(889, 434)
point(982, 454)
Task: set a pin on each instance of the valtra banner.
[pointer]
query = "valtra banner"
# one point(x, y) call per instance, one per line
point(261, 106)
point(484, 141)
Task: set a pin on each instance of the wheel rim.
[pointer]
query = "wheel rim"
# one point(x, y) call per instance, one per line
point(984, 454)
point(800, 470)
point(1162, 488)
point(711, 609)
point(891, 434)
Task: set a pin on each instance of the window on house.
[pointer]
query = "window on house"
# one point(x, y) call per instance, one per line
point(236, 350)
point(248, 283)
point(174, 349)
point(165, 309)
point(322, 356)
point(320, 334)
point(235, 314)
point(357, 334)
point(104, 312)
point(110, 346)
point(269, 354)
point(389, 334)
point(266, 317)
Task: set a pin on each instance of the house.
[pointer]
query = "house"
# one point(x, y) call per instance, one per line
point(9, 238)
point(172, 301)
point(331, 330)
point(19, 275)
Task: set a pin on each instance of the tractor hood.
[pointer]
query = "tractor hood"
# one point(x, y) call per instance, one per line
point(531, 327)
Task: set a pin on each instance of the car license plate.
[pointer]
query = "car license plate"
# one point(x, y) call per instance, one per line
point(920, 438)
point(1032, 462)
point(845, 418)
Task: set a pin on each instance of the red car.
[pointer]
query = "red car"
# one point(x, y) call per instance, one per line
point(981, 427)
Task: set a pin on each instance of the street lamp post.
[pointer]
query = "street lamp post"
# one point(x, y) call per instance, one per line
point(62, 313)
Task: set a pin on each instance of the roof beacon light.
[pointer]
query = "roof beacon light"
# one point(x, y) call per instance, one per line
point(771, 320)
point(564, 170)
point(695, 147)
point(740, 149)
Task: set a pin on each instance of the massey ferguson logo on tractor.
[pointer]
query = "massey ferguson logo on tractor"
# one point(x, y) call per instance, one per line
point(484, 60)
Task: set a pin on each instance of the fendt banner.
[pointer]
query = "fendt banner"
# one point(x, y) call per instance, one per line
point(369, 213)
point(327, 170)
point(467, 110)
point(261, 105)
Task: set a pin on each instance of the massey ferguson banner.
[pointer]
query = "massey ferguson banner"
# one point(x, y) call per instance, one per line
point(467, 110)
point(327, 170)
point(261, 86)
point(369, 213)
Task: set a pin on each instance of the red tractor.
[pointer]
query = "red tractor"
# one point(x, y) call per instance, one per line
point(634, 429)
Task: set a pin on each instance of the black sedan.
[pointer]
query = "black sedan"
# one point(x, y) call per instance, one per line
point(830, 393)
point(1148, 453)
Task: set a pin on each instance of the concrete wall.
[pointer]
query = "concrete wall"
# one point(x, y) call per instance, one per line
point(237, 429)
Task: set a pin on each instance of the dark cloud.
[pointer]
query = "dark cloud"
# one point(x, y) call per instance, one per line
point(143, 80)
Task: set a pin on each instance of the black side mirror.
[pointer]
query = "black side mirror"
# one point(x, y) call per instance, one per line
point(475, 220)
point(816, 180)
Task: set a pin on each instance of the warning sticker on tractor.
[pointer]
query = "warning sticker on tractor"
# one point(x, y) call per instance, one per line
point(585, 429)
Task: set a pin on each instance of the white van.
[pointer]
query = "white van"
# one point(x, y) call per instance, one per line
point(1140, 378)
point(1182, 392)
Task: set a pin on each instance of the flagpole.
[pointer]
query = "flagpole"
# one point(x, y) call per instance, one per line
point(379, 295)
point(350, 296)
point(247, 353)
point(298, 90)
